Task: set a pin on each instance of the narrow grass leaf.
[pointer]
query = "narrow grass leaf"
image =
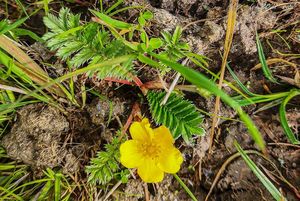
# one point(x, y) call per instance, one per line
point(187, 190)
point(57, 186)
point(115, 5)
point(23, 8)
point(112, 22)
point(241, 85)
point(283, 120)
point(25, 32)
point(17, 197)
point(260, 175)
point(24, 185)
point(142, 58)
point(14, 25)
point(9, 63)
point(263, 61)
point(6, 108)
point(124, 9)
point(110, 62)
point(45, 190)
point(30, 67)
point(7, 166)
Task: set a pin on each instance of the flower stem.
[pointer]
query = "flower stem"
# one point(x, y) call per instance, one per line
point(185, 187)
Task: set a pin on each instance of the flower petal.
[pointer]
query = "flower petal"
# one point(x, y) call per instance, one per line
point(163, 136)
point(170, 160)
point(138, 130)
point(130, 155)
point(149, 172)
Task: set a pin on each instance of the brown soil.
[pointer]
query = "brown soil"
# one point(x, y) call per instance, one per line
point(44, 137)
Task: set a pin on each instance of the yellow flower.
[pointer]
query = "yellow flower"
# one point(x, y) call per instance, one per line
point(151, 151)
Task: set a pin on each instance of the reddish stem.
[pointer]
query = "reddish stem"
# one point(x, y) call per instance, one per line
point(134, 115)
point(111, 79)
point(137, 81)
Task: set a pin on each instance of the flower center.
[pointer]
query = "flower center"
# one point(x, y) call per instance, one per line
point(150, 149)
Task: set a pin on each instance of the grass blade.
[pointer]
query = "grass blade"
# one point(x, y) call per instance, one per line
point(262, 59)
point(25, 32)
point(57, 186)
point(30, 67)
point(114, 23)
point(23, 8)
point(262, 98)
point(189, 192)
point(241, 85)
point(260, 175)
point(44, 193)
point(9, 63)
point(14, 25)
point(283, 120)
point(12, 194)
point(90, 67)
point(119, 2)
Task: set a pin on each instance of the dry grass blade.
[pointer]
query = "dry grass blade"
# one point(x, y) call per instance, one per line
point(273, 61)
point(228, 40)
point(29, 66)
point(114, 188)
point(14, 89)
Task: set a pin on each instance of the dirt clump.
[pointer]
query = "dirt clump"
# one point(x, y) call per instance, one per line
point(101, 110)
point(165, 21)
point(168, 189)
point(133, 191)
point(42, 137)
point(35, 138)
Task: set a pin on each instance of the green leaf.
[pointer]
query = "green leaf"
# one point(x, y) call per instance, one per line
point(260, 175)
point(200, 80)
point(147, 15)
point(68, 49)
point(146, 60)
point(167, 37)
point(112, 22)
point(155, 43)
point(176, 35)
point(12, 26)
point(86, 44)
point(141, 21)
point(263, 61)
point(10, 64)
point(25, 32)
point(179, 115)
point(241, 85)
point(143, 47)
point(45, 191)
point(105, 166)
point(283, 120)
point(20, 5)
point(115, 5)
point(144, 37)
point(57, 186)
